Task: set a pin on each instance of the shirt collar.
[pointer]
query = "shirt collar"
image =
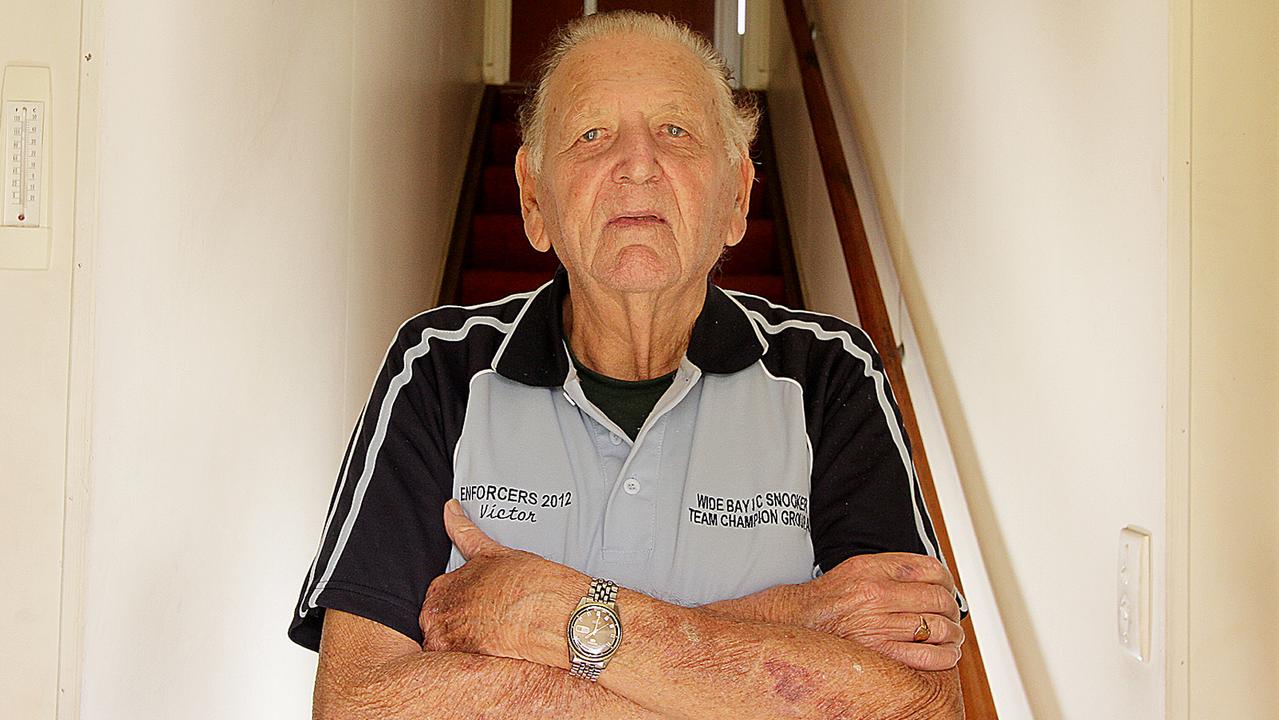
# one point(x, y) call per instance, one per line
point(724, 340)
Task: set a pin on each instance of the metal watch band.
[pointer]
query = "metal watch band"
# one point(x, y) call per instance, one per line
point(583, 669)
point(603, 591)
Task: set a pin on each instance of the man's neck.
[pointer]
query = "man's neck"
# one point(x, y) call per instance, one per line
point(631, 336)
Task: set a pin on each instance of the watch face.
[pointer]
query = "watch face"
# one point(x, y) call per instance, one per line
point(594, 631)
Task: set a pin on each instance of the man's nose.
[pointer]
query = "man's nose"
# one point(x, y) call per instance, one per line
point(636, 162)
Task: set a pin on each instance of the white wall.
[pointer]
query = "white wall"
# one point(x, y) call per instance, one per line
point(277, 184)
point(1019, 158)
point(1233, 321)
point(35, 320)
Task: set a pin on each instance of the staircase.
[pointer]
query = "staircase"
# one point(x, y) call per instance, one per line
point(490, 257)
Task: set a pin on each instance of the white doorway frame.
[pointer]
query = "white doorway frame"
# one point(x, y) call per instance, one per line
point(726, 39)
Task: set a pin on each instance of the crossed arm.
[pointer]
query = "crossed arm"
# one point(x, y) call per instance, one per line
point(495, 648)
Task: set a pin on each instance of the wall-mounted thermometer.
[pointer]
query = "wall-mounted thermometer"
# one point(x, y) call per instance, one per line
point(26, 238)
point(23, 161)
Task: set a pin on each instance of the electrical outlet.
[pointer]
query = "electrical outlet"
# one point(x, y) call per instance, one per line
point(1134, 592)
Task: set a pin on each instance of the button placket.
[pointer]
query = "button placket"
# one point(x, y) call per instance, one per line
point(631, 516)
point(611, 455)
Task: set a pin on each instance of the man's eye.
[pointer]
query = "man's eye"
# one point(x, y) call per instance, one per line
point(676, 131)
point(591, 135)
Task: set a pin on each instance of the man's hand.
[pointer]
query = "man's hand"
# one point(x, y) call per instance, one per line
point(487, 606)
point(877, 600)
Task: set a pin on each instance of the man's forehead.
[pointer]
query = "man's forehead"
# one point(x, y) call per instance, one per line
point(602, 103)
point(593, 76)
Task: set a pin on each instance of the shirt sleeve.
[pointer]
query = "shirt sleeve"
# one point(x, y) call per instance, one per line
point(865, 493)
point(384, 540)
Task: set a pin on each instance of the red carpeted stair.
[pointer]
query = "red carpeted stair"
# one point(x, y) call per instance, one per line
point(495, 259)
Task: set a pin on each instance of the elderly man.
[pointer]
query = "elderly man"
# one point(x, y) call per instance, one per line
point(629, 493)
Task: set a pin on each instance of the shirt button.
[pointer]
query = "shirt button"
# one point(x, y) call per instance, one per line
point(613, 438)
point(631, 486)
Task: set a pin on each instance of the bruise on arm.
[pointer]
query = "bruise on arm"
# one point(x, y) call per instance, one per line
point(793, 683)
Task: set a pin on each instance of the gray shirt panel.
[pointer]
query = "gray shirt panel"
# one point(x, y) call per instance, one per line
point(709, 503)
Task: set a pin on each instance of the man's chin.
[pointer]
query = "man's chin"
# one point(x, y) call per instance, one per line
point(639, 270)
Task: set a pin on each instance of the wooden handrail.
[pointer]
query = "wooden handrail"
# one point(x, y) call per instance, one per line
point(978, 702)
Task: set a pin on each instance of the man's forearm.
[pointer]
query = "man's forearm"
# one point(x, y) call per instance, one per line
point(462, 685)
point(704, 662)
point(825, 679)
point(774, 605)
point(687, 662)
point(447, 685)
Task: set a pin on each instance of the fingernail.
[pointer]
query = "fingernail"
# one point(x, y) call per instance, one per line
point(455, 507)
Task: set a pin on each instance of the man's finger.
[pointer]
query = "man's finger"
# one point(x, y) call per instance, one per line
point(921, 656)
point(941, 629)
point(469, 539)
point(900, 597)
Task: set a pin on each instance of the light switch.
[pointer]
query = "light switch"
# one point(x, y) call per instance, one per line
point(1133, 605)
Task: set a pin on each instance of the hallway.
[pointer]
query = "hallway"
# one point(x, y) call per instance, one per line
point(242, 201)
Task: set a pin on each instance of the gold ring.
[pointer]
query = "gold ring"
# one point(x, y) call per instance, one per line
point(923, 632)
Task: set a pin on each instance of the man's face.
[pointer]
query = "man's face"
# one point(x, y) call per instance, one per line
point(636, 191)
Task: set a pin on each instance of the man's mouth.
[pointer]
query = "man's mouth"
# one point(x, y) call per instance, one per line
point(640, 218)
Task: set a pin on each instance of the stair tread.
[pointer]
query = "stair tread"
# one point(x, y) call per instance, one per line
point(503, 142)
point(756, 254)
point(498, 242)
point(770, 287)
point(480, 286)
point(500, 193)
point(508, 103)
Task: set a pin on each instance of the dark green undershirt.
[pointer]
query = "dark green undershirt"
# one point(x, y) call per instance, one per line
point(626, 402)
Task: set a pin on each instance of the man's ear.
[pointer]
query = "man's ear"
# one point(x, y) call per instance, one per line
point(534, 221)
point(741, 200)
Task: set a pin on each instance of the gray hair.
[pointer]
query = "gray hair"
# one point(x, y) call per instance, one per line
point(737, 118)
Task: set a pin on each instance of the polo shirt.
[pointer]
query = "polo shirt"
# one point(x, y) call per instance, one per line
point(776, 453)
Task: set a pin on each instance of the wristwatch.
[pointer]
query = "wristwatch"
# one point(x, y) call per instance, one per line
point(594, 630)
